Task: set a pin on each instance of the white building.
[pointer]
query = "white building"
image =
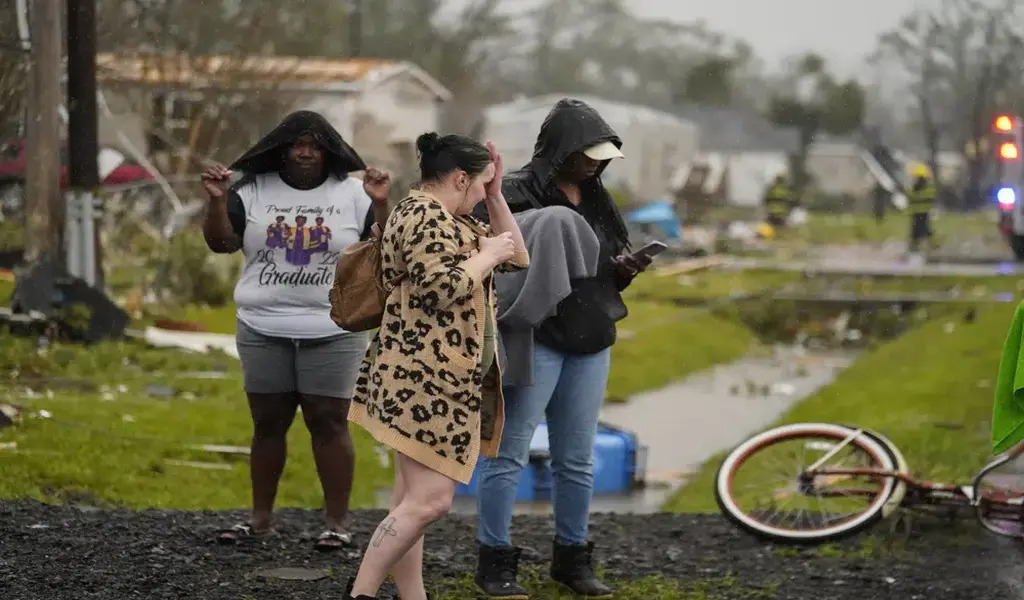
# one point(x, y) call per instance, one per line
point(379, 106)
point(740, 151)
point(654, 142)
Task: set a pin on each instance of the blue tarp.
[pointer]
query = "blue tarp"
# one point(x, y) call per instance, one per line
point(658, 213)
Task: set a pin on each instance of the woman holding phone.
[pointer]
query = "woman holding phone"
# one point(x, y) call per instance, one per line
point(571, 357)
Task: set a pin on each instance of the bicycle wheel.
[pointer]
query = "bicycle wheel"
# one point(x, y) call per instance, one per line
point(819, 507)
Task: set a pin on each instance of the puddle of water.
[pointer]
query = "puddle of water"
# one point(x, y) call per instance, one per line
point(686, 423)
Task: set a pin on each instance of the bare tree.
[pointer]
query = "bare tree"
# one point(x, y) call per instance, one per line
point(959, 59)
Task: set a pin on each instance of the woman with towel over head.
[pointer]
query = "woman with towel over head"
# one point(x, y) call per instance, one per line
point(292, 353)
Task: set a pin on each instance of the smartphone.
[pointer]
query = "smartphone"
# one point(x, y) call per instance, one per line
point(652, 249)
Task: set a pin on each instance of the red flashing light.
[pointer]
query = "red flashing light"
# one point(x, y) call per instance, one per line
point(1004, 123)
point(1009, 151)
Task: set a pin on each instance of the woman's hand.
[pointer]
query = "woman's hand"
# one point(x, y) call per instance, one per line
point(377, 185)
point(627, 266)
point(494, 186)
point(215, 181)
point(499, 248)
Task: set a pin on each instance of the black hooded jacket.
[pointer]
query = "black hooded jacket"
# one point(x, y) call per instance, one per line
point(585, 321)
point(268, 156)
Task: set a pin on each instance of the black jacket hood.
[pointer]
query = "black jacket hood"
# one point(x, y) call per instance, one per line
point(266, 156)
point(572, 126)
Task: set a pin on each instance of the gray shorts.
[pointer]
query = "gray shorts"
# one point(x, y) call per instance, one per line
point(318, 367)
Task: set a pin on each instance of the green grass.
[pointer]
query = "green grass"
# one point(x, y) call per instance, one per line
point(930, 392)
point(722, 283)
point(659, 343)
point(216, 319)
point(12, 235)
point(861, 228)
point(707, 284)
point(110, 447)
point(535, 580)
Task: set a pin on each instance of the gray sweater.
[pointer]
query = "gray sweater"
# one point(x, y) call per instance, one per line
point(562, 247)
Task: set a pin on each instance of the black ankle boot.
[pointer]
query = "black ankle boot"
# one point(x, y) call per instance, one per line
point(496, 570)
point(348, 592)
point(573, 567)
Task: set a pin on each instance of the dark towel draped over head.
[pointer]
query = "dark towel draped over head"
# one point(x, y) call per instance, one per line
point(267, 156)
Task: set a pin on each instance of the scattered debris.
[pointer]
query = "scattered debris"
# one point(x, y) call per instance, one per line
point(179, 325)
point(199, 465)
point(8, 445)
point(383, 455)
point(191, 340)
point(217, 449)
point(203, 375)
point(60, 383)
point(783, 389)
point(43, 414)
point(161, 391)
point(10, 414)
point(128, 418)
point(690, 266)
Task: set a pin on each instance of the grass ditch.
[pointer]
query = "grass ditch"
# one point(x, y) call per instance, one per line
point(929, 391)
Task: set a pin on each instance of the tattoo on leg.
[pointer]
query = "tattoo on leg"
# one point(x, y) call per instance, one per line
point(385, 528)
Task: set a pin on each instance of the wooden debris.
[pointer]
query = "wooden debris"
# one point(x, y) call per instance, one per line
point(236, 450)
point(690, 266)
point(199, 465)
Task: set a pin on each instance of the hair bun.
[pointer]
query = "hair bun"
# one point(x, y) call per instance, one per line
point(428, 143)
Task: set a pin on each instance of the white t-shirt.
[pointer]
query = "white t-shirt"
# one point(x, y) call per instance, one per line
point(291, 242)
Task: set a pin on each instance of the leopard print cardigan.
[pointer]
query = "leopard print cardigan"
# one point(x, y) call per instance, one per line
point(420, 388)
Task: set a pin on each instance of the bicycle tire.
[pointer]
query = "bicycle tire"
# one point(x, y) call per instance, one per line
point(849, 527)
point(899, 491)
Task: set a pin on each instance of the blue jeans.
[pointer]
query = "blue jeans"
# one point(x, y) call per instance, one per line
point(570, 389)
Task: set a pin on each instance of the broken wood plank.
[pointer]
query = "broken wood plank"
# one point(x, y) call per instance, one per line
point(199, 465)
point(690, 266)
point(218, 449)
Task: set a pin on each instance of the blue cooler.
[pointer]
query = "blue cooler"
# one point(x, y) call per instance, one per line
point(618, 465)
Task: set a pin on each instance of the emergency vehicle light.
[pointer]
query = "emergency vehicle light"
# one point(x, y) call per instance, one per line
point(1004, 123)
point(1006, 196)
point(1009, 151)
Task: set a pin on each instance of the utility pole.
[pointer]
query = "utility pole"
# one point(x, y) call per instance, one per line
point(83, 146)
point(355, 28)
point(43, 202)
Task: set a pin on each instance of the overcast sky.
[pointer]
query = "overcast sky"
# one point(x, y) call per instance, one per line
point(843, 31)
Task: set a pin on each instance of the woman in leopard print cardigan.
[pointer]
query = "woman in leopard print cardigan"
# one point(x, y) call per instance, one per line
point(430, 386)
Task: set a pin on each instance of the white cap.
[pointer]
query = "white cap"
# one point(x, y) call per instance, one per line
point(603, 151)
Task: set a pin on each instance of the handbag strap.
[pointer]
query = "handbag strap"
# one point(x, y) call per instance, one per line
point(377, 236)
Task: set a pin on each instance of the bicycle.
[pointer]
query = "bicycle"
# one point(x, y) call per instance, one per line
point(876, 475)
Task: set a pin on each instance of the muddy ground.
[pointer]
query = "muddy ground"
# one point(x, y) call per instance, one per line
point(56, 552)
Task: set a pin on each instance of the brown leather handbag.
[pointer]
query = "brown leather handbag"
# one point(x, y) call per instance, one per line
point(359, 292)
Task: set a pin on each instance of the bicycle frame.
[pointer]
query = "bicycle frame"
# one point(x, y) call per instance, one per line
point(998, 505)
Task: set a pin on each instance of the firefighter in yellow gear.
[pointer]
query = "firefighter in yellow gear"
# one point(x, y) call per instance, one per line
point(779, 200)
point(921, 200)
